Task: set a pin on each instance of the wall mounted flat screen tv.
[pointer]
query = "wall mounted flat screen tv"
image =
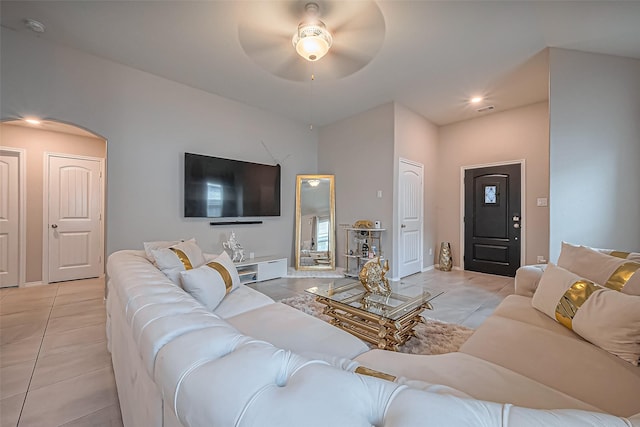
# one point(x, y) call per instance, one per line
point(223, 188)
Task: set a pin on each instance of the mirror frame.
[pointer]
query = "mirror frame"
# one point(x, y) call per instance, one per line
point(332, 219)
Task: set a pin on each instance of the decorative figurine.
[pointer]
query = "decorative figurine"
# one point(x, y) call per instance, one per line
point(233, 245)
point(363, 223)
point(445, 261)
point(372, 277)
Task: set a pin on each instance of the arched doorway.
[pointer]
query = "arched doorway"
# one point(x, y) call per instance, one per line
point(61, 186)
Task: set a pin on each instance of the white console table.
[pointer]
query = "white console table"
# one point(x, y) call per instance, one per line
point(260, 269)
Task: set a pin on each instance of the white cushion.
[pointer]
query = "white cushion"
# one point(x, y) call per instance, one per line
point(240, 301)
point(473, 376)
point(211, 282)
point(179, 257)
point(291, 329)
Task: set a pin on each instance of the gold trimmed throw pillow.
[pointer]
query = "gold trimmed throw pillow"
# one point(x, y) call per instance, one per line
point(611, 271)
point(629, 256)
point(179, 257)
point(602, 316)
point(149, 247)
point(211, 282)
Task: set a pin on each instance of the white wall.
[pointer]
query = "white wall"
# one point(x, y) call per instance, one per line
point(595, 150)
point(416, 139)
point(520, 133)
point(149, 122)
point(359, 152)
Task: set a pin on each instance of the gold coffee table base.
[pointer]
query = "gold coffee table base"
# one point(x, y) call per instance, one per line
point(376, 329)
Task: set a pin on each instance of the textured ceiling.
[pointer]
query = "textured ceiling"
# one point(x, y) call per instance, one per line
point(433, 56)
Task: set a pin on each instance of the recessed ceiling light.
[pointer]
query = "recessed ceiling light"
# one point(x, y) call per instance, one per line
point(33, 121)
point(476, 99)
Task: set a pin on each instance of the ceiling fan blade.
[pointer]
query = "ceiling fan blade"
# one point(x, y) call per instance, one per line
point(339, 64)
point(294, 68)
point(271, 15)
point(267, 28)
point(355, 15)
point(261, 42)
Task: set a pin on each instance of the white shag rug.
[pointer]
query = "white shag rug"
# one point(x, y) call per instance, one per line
point(432, 337)
point(329, 274)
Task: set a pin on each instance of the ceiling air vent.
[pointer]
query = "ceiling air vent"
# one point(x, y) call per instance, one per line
point(485, 109)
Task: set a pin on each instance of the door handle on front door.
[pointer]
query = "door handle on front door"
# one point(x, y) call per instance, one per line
point(403, 226)
point(54, 225)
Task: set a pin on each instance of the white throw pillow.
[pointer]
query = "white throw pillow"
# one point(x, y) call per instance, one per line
point(211, 282)
point(602, 316)
point(613, 272)
point(179, 257)
point(149, 247)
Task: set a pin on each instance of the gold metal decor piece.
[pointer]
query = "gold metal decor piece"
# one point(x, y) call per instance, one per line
point(621, 276)
point(445, 262)
point(224, 273)
point(363, 370)
point(619, 254)
point(372, 276)
point(363, 223)
point(573, 299)
point(184, 259)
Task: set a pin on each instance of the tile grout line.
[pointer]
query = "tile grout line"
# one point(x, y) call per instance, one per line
point(38, 355)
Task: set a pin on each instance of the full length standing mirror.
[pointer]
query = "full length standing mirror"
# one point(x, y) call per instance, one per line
point(315, 222)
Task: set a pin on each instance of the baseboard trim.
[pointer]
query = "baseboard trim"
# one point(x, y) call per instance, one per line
point(31, 284)
point(431, 267)
point(455, 267)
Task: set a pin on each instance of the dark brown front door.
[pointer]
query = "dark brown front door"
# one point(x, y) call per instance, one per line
point(492, 219)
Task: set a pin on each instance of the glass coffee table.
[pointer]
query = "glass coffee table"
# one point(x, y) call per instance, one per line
point(386, 321)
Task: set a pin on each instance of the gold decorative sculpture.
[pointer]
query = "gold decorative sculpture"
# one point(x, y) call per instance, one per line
point(372, 277)
point(445, 262)
point(363, 223)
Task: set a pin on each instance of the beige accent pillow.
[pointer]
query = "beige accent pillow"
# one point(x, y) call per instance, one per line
point(602, 316)
point(179, 257)
point(609, 271)
point(211, 282)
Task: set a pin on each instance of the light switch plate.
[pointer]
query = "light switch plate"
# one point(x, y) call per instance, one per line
point(541, 201)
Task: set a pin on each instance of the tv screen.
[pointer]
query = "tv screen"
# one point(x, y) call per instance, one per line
point(222, 188)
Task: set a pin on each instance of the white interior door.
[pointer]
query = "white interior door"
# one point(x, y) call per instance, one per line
point(9, 219)
point(74, 226)
point(410, 190)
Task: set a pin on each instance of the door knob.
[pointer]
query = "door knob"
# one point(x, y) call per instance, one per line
point(403, 226)
point(54, 225)
point(516, 225)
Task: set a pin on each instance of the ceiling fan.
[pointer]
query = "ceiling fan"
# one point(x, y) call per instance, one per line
point(272, 34)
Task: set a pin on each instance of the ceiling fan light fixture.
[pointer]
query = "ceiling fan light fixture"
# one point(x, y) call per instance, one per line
point(312, 40)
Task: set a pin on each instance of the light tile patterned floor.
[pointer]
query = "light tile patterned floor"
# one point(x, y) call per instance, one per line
point(54, 366)
point(55, 369)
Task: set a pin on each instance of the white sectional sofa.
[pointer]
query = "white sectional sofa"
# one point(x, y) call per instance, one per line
point(254, 362)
